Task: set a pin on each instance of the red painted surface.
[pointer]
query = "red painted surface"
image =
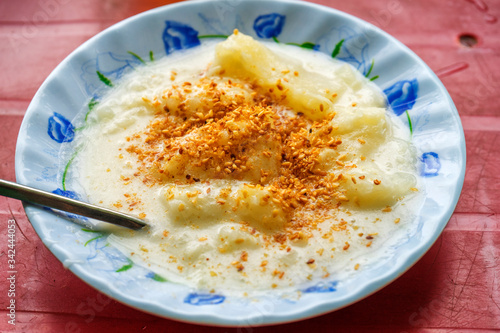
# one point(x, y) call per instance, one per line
point(455, 286)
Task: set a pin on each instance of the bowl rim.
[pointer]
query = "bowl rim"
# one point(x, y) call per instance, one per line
point(316, 309)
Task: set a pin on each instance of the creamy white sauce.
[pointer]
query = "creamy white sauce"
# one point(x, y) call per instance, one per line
point(204, 246)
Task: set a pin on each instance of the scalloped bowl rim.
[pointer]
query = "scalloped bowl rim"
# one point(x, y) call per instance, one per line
point(316, 308)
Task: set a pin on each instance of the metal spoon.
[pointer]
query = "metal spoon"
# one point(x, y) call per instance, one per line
point(39, 197)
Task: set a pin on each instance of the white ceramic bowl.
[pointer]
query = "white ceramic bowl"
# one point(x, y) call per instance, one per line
point(413, 92)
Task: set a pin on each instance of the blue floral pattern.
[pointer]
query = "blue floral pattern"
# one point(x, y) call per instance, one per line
point(71, 216)
point(109, 64)
point(214, 26)
point(203, 299)
point(402, 95)
point(178, 36)
point(269, 25)
point(431, 164)
point(67, 194)
point(49, 174)
point(322, 287)
point(354, 50)
point(60, 129)
point(98, 244)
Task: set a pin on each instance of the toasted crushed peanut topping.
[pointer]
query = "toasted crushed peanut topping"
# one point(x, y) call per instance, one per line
point(387, 209)
point(220, 138)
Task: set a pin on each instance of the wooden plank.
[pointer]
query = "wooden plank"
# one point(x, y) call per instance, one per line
point(27, 60)
point(37, 13)
point(482, 182)
point(9, 129)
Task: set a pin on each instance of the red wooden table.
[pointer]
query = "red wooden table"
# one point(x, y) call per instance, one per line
point(454, 287)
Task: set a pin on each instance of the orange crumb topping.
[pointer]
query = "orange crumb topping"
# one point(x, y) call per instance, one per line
point(231, 134)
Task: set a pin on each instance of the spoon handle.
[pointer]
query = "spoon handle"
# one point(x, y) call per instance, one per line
point(39, 197)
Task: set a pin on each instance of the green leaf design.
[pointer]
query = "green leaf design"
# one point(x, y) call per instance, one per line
point(93, 102)
point(89, 230)
point(276, 39)
point(66, 168)
point(104, 79)
point(124, 268)
point(305, 45)
point(409, 122)
point(135, 55)
point(370, 69)
point(151, 57)
point(308, 45)
point(93, 239)
point(159, 278)
point(336, 50)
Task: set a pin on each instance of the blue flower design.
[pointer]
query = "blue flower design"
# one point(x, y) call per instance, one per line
point(204, 299)
point(60, 129)
point(97, 244)
point(71, 195)
point(178, 36)
point(269, 25)
point(67, 194)
point(431, 164)
point(49, 174)
point(109, 64)
point(354, 48)
point(402, 95)
point(322, 288)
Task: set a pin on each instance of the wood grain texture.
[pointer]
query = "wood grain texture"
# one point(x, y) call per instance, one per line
point(454, 287)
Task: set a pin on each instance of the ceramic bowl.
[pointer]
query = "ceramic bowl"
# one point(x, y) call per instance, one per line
point(413, 91)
